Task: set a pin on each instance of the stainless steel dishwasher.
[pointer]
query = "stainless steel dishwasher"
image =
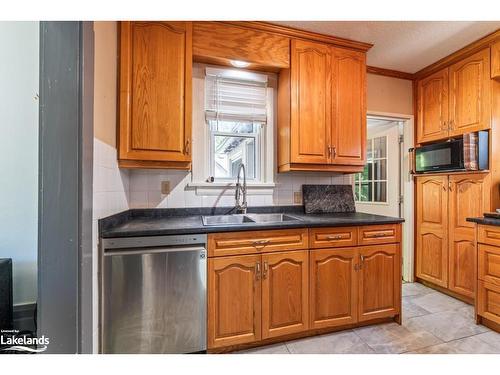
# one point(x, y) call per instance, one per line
point(153, 294)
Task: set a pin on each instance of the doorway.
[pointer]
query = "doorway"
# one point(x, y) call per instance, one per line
point(385, 187)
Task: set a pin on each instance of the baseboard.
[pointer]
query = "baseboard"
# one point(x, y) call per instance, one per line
point(24, 317)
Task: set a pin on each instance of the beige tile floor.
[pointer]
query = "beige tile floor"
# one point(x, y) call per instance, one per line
point(432, 323)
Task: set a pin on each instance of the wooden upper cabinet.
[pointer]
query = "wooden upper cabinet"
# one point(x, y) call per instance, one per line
point(310, 102)
point(470, 94)
point(155, 95)
point(348, 144)
point(432, 229)
point(432, 104)
point(333, 287)
point(495, 60)
point(468, 197)
point(234, 300)
point(285, 289)
point(379, 282)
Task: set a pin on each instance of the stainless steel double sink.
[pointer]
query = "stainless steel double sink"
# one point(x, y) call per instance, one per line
point(239, 219)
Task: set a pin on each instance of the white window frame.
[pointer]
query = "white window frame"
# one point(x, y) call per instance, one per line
point(371, 181)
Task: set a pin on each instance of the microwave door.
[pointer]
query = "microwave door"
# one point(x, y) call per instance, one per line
point(446, 156)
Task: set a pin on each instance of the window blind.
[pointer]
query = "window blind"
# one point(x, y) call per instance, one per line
point(235, 95)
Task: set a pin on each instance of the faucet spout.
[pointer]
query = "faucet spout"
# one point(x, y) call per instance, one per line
point(240, 195)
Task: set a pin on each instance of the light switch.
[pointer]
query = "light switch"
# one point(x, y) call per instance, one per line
point(165, 187)
point(297, 197)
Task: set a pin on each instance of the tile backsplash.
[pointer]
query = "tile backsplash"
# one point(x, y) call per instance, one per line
point(145, 190)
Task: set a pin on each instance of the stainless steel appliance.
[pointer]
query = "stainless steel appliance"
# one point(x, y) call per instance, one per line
point(469, 152)
point(153, 294)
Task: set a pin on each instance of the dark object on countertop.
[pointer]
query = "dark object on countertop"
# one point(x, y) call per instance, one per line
point(484, 221)
point(494, 215)
point(323, 199)
point(5, 293)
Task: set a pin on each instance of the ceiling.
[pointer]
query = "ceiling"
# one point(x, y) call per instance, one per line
point(407, 46)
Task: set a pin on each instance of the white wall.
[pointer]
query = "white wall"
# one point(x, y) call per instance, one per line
point(19, 72)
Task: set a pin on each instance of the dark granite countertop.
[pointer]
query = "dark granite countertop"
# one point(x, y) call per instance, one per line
point(485, 221)
point(157, 222)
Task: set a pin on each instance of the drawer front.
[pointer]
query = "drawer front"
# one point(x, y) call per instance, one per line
point(489, 235)
point(378, 234)
point(332, 237)
point(254, 242)
point(488, 301)
point(489, 264)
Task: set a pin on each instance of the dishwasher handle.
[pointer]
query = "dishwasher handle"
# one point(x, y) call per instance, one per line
point(155, 251)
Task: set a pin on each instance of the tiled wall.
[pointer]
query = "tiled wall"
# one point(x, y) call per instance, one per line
point(145, 190)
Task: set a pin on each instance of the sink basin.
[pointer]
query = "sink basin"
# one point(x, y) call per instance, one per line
point(271, 218)
point(222, 220)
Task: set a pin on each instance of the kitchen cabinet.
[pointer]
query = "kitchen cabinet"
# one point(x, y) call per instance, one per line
point(322, 109)
point(285, 289)
point(234, 300)
point(445, 248)
point(334, 287)
point(455, 100)
point(379, 282)
point(432, 105)
point(154, 129)
point(495, 60)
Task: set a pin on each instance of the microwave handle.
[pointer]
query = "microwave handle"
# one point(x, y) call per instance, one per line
point(411, 160)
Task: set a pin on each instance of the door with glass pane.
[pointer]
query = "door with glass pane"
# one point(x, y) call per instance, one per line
point(377, 188)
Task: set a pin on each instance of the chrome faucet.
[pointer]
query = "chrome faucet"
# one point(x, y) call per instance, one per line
point(241, 192)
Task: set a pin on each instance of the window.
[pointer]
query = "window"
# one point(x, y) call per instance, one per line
point(236, 114)
point(371, 184)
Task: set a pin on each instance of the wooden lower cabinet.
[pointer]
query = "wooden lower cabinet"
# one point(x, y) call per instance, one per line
point(379, 282)
point(488, 301)
point(234, 300)
point(285, 287)
point(333, 287)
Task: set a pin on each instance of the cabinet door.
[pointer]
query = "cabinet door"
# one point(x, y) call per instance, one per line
point(348, 144)
point(310, 102)
point(470, 94)
point(379, 282)
point(468, 197)
point(284, 293)
point(234, 300)
point(333, 287)
point(432, 104)
point(155, 91)
point(432, 229)
point(495, 60)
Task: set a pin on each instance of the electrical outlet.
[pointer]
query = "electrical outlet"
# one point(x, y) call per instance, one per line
point(165, 187)
point(297, 197)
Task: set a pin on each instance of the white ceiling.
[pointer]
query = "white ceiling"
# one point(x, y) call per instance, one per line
point(407, 46)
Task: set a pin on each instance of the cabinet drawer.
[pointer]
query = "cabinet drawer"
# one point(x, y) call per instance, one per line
point(377, 234)
point(252, 242)
point(489, 264)
point(488, 301)
point(489, 235)
point(332, 237)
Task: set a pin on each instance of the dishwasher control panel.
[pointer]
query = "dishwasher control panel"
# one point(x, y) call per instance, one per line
point(153, 241)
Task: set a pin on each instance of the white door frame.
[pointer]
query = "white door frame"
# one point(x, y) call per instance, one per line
point(407, 188)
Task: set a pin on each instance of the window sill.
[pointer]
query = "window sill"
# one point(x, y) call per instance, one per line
point(227, 188)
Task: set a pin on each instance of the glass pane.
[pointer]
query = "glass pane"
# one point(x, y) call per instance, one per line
point(366, 192)
point(230, 152)
point(380, 194)
point(369, 152)
point(356, 192)
point(366, 174)
point(239, 127)
point(379, 147)
point(357, 176)
point(380, 170)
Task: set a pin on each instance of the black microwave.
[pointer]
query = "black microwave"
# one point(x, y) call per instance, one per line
point(467, 153)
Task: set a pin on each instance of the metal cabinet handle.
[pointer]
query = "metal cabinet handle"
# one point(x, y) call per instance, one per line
point(257, 270)
point(362, 262)
point(266, 269)
point(445, 126)
point(329, 152)
point(336, 237)
point(186, 147)
point(261, 242)
point(451, 125)
point(334, 150)
point(449, 186)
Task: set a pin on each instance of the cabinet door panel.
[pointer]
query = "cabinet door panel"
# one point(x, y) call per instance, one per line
point(155, 91)
point(470, 94)
point(379, 282)
point(488, 301)
point(432, 229)
point(349, 107)
point(333, 286)
point(468, 197)
point(234, 300)
point(432, 104)
point(311, 102)
point(284, 293)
